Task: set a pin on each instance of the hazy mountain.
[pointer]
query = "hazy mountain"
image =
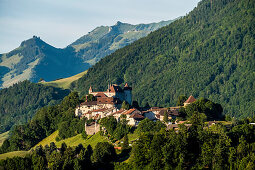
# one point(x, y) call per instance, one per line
point(208, 53)
point(35, 59)
point(104, 40)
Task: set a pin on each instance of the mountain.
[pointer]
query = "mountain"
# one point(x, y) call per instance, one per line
point(104, 40)
point(19, 103)
point(35, 59)
point(208, 53)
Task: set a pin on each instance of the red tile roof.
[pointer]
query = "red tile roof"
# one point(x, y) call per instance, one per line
point(115, 88)
point(191, 99)
point(137, 116)
point(100, 94)
point(128, 112)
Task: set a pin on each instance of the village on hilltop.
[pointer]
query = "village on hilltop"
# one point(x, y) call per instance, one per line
point(109, 103)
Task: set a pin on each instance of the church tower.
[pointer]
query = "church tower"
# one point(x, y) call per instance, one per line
point(128, 94)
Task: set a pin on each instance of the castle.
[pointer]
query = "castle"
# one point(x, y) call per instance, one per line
point(106, 102)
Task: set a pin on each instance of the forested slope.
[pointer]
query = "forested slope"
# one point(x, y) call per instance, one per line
point(20, 102)
point(208, 53)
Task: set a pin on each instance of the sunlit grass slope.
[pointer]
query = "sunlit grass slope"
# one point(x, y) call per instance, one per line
point(66, 82)
point(3, 136)
point(14, 153)
point(73, 141)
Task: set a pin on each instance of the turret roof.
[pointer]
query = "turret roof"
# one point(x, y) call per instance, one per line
point(191, 99)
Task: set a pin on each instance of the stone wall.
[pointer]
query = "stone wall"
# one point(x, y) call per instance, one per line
point(92, 129)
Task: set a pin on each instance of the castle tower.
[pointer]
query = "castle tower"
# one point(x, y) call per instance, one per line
point(191, 99)
point(128, 94)
point(90, 90)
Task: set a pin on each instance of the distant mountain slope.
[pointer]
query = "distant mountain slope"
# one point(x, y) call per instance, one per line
point(208, 53)
point(104, 40)
point(19, 103)
point(35, 59)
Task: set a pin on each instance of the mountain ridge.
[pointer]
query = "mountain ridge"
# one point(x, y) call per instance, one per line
point(35, 59)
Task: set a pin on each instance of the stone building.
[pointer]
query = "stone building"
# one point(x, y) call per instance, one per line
point(109, 100)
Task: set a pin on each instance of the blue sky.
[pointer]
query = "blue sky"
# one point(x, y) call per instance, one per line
point(60, 22)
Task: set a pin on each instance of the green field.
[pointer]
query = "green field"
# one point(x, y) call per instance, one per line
point(73, 141)
point(14, 153)
point(3, 136)
point(66, 82)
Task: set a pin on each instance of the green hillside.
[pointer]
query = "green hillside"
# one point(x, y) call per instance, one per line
point(73, 141)
point(65, 82)
point(3, 136)
point(19, 103)
point(13, 154)
point(208, 53)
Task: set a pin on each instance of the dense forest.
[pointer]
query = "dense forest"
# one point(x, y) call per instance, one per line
point(195, 147)
point(19, 103)
point(47, 120)
point(208, 53)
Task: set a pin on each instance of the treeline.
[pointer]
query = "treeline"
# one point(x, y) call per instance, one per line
point(208, 53)
point(197, 147)
point(194, 147)
point(51, 157)
point(19, 103)
point(44, 123)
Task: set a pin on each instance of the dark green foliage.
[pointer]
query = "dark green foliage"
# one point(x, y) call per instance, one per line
point(212, 110)
point(192, 147)
point(110, 124)
point(181, 100)
point(121, 130)
point(125, 144)
point(90, 98)
point(103, 153)
point(45, 122)
point(208, 53)
point(84, 134)
point(147, 125)
point(19, 103)
point(165, 117)
point(125, 105)
point(17, 163)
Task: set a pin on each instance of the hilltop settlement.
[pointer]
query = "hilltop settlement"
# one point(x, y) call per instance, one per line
point(110, 103)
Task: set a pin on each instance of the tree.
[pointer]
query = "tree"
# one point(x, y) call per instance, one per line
point(103, 153)
point(91, 97)
point(84, 134)
point(212, 110)
point(125, 144)
point(135, 104)
point(125, 105)
point(181, 100)
point(197, 119)
point(165, 117)
point(110, 124)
